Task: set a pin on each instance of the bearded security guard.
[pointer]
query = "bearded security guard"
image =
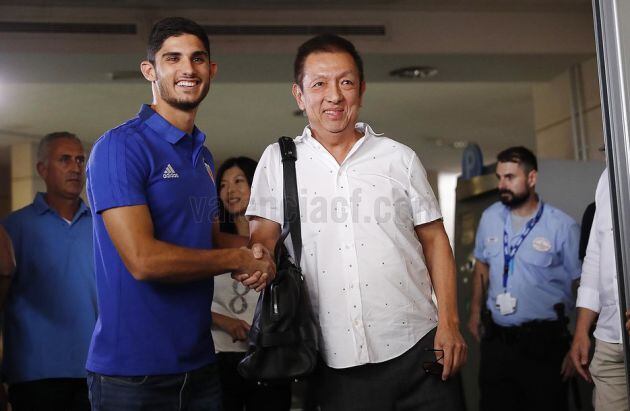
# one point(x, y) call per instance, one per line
point(527, 259)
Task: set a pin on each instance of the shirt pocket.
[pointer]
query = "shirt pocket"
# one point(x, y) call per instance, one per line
point(537, 258)
point(492, 252)
point(387, 196)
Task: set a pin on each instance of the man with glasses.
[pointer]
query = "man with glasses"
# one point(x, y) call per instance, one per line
point(51, 306)
point(527, 261)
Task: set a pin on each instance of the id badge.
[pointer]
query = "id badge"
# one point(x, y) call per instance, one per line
point(506, 303)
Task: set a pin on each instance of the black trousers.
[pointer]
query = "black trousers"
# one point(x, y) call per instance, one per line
point(400, 384)
point(244, 395)
point(520, 367)
point(54, 394)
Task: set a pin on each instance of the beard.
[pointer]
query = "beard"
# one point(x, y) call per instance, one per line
point(183, 105)
point(513, 200)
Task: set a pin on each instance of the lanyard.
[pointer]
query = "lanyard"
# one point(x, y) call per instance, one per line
point(510, 251)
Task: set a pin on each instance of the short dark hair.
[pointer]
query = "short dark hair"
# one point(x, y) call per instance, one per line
point(520, 155)
point(44, 144)
point(226, 220)
point(173, 26)
point(324, 43)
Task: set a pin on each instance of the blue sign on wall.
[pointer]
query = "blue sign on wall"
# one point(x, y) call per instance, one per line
point(472, 161)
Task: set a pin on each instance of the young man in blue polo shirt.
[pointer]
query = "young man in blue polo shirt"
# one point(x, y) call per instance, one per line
point(51, 305)
point(151, 185)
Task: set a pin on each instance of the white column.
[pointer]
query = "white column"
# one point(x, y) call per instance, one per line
point(25, 182)
point(552, 115)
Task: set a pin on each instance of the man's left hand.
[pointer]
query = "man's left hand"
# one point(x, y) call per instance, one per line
point(449, 339)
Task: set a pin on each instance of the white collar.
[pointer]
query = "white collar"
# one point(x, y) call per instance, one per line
point(361, 127)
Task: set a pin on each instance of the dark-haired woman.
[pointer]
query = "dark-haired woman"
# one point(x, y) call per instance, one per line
point(233, 304)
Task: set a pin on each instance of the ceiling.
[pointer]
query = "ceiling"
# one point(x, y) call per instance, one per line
point(502, 5)
point(487, 64)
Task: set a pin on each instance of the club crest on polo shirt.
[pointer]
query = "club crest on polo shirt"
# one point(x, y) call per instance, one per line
point(169, 172)
point(209, 170)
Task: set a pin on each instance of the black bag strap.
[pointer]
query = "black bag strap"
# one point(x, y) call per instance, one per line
point(290, 198)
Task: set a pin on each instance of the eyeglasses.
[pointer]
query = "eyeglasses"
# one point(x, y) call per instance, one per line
point(433, 367)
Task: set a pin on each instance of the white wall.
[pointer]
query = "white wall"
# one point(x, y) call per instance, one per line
point(569, 185)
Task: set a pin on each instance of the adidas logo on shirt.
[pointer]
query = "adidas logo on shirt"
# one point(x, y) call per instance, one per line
point(169, 172)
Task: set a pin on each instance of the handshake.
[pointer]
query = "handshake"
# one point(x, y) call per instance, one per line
point(256, 267)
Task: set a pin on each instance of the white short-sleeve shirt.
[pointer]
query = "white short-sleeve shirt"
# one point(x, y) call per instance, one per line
point(232, 299)
point(598, 285)
point(363, 264)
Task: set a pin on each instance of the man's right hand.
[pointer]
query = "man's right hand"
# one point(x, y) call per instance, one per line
point(238, 329)
point(474, 326)
point(579, 355)
point(257, 268)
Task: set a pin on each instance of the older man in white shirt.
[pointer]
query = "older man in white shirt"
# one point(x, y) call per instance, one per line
point(598, 296)
point(374, 247)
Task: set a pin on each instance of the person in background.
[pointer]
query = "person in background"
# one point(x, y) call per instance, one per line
point(7, 265)
point(233, 304)
point(585, 228)
point(598, 300)
point(7, 268)
point(526, 255)
point(51, 306)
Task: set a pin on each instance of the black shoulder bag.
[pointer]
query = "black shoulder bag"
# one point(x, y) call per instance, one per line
point(283, 336)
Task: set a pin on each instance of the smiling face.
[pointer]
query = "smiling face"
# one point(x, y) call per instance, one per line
point(515, 186)
point(181, 73)
point(330, 93)
point(63, 168)
point(234, 191)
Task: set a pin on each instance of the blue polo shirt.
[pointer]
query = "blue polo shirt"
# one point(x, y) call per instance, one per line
point(51, 307)
point(144, 327)
point(544, 268)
